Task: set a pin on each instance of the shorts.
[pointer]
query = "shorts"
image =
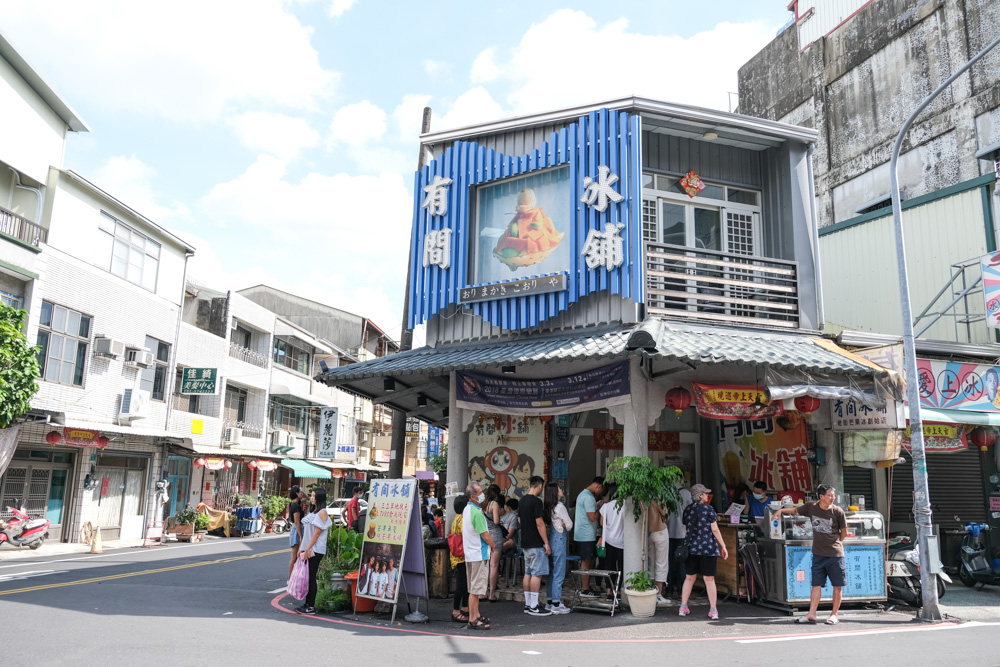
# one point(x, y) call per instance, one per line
point(536, 563)
point(698, 564)
point(833, 567)
point(293, 537)
point(587, 550)
point(478, 574)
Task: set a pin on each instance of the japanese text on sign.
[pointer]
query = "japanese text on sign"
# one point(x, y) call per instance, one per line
point(512, 288)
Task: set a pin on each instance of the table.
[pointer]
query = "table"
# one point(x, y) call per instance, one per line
point(613, 578)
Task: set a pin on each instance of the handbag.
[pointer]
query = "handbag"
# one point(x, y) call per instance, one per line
point(456, 545)
point(601, 551)
point(682, 553)
point(298, 583)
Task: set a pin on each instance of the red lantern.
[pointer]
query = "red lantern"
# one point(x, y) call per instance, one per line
point(983, 438)
point(103, 441)
point(679, 400)
point(198, 463)
point(807, 405)
point(53, 437)
point(546, 418)
point(229, 464)
point(252, 465)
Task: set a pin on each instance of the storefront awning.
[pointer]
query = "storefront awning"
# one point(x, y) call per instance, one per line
point(305, 469)
point(277, 389)
point(207, 450)
point(138, 431)
point(960, 416)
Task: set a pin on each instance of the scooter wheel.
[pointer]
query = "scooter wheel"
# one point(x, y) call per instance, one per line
point(966, 577)
point(942, 589)
point(35, 545)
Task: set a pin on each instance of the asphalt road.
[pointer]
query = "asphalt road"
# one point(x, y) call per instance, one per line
point(221, 603)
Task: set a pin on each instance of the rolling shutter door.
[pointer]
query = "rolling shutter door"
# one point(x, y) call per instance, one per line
point(860, 482)
point(955, 482)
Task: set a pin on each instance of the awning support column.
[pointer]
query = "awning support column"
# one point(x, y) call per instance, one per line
point(636, 443)
point(458, 450)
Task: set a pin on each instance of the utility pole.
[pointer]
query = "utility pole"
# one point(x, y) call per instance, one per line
point(921, 498)
point(397, 444)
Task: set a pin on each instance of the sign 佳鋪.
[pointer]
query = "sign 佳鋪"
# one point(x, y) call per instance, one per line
point(199, 380)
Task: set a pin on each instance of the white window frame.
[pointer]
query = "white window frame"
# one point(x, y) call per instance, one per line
point(147, 379)
point(691, 203)
point(123, 242)
point(52, 331)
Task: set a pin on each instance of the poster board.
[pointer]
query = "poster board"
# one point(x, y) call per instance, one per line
point(507, 450)
point(765, 450)
point(392, 555)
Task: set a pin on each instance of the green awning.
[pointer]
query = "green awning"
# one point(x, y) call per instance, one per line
point(960, 416)
point(303, 469)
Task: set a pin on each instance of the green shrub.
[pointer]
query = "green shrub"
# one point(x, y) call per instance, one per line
point(330, 601)
point(273, 506)
point(186, 516)
point(201, 522)
point(640, 582)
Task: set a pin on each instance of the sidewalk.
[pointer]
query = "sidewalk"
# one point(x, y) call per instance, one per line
point(50, 548)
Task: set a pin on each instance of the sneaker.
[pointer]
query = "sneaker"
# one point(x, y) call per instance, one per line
point(549, 606)
point(684, 611)
point(660, 600)
point(526, 608)
point(560, 609)
point(589, 593)
point(304, 609)
point(713, 614)
point(538, 611)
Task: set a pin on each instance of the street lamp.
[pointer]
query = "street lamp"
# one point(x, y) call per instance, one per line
point(921, 500)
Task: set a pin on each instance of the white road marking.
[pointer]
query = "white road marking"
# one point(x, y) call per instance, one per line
point(531, 652)
point(28, 575)
point(278, 590)
point(228, 613)
point(864, 633)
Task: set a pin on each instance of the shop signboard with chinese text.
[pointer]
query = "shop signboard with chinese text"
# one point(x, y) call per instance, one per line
point(78, 437)
point(659, 441)
point(734, 402)
point(849, 414)
point(328, 446)
point(199, 380)
point(507, 450)
point(386, 532)
point(865, 573)
point(954, 385)
point(433, 441)
point(772, 451)
point(940, 438)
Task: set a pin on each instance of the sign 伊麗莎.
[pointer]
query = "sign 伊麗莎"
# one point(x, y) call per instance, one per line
point(328, 446)
point(199, 380)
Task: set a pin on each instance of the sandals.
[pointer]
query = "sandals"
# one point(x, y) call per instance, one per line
point(461, 618)
point(833, 620)
point(479, 624)
point(802, 620)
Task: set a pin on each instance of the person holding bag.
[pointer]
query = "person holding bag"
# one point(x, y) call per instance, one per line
point(460, 603)
point(315, 527)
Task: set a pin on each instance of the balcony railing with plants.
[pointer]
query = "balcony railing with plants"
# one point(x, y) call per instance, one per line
point(237, 351)
point(708, 285)
point(14, 225)
point(249, 429)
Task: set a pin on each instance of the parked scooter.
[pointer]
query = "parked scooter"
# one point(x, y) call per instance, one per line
point(903, 572)
point(23, 531)
point(977, 567)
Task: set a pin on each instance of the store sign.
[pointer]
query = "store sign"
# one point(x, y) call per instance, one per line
point(390, 504)
point(865, 573)
point(199, 381)
point(412, 427)
point(502, 290)
point(507, 450)
point(79, 437)
point(215, 463)
point(327, 447)
point(590, 390)
point(659, 441)
point(853, 415)
point(734, 402)
point(991, 287)
point(940, 438)
point(762, 450)
point(954, 385)
point(433, 441)
point(265, 465)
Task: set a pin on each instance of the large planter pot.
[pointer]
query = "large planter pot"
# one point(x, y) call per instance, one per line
point(182, 529)
point(642, 604)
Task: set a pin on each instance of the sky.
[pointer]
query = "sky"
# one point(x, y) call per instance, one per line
point(280, 137)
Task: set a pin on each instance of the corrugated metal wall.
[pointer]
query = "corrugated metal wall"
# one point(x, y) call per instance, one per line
point(713, 162)
point(860, 285)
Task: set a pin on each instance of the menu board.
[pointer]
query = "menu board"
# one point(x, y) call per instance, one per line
point(865, 572)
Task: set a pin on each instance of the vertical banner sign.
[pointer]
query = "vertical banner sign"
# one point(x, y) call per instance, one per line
point(507, 451)
point(433, 441)
point(991, 287)
point(772, 451)
point(390, 507)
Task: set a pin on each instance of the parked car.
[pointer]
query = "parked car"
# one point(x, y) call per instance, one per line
point(337, 509)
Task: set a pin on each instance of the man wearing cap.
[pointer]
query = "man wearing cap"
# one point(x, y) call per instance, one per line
point(829, 526)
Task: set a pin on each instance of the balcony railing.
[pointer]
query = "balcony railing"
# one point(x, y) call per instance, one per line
point(708, 285)
point(11, 300)
point(249, 430)
point(237, 351)
point(14, 225)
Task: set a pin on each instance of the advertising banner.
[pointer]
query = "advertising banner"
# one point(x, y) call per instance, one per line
point(940, 438)
point(991, 287)
point(763, 450)
point(659, 441)
point(79, 437)
point(390, 505)
point(590, 390)
point(433, 441)
point(734, 402)
point(507, 450)
point(954, 385)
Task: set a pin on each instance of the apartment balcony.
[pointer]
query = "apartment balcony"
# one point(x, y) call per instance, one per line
point(246, 429)
point(725, 288)
point(11, 300)
point(21, 229)
point(249, 356)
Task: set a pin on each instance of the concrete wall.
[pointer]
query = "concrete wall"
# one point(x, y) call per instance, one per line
point(34, 135)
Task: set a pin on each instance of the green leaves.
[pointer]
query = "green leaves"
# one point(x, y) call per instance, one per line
point(639, 582)
point(272, 506)
point(439, 463)
point(644, 483)
point(18, 366)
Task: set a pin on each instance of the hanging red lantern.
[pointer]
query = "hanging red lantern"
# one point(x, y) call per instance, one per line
point(198, 463)
point(229, 464)
point(678, 399)
point(983, 438)
point(53, 437)
point(252, 465)
point(807, 405)
point(546, 418)
point(103, 441)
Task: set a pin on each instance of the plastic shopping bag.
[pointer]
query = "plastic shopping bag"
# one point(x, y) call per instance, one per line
point(298, 583)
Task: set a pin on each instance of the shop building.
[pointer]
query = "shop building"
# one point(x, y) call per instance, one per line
point(573, 268)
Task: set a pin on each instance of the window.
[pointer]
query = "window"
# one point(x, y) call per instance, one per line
point(153, 379)
point(242, 336)
point(289, 416)
point(127, 253)
point(290, 356)
point(184, 402)
point(62, 340)
point(236, 404)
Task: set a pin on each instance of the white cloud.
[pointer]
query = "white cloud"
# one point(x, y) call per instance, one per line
point(338, 7)
point(484, 69)
point(187, 61)
point(274, 133)
point(357, 124)
point(434, 67)
point(130, 181)
point(473, 106)
point(409, 115)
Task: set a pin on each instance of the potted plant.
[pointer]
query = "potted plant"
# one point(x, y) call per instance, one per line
point(184, 523)
point(201, 524)
point(641, 592)
point(272, 507)
point(343, 555)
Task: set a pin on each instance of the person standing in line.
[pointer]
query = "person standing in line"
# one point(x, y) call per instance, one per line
point(460, 602)
point(675, 526)
point(659, 549)
point(353, 509)
point(534, 544)
point(439, 521)
point(613, 534)
point(295, 519)
point(477, 543)
point(560, 525)
point(315, 527)
point(829, 525)
point(493, 511)
point(705, 544)
point(585, 530)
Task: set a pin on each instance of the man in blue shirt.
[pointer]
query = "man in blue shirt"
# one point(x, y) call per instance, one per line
point(585, 530)
point(757, 503)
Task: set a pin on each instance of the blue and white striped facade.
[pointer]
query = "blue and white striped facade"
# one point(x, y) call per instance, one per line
point(602, 137)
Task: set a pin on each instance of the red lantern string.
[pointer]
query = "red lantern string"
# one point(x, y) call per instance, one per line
point(678, 399)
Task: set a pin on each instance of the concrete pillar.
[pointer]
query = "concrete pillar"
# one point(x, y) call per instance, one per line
point(636, 443)
point(458, 451)
point(831, 474)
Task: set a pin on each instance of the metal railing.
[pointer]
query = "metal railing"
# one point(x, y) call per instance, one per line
point(237, 351)
point(965, 306)
point(697, 284)
point(21, 229)
point(249, 430)
point(11, 300)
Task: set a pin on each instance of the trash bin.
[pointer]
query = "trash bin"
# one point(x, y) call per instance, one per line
point(438, 567)
point(358, 604)
point(951, 544)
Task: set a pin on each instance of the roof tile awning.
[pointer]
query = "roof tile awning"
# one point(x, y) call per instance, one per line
point(305, 469)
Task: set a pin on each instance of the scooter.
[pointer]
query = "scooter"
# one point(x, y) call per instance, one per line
point(976, 567)
point(902, 570)
point(23, 531)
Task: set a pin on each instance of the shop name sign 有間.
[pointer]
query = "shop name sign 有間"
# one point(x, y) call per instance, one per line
point(199, 381)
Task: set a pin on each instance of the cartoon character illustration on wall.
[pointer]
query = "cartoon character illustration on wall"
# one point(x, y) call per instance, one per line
point(500, 462)
point(522, 472)
point(478, 472)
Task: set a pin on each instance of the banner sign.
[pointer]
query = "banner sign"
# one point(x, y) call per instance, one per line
point(433, 441)
point(215, 463)
point(327, 447)
point(412, 427)
point(991, 287)
point(940, 438)
point(659, 441)
point(265, 465)
point(733, 402)
point(507, 450)
point(865, 573)
point(390, 504)
point(763, 450)
point(199, 381)
point(954, 385)
point(849, 414)
point(590, 390)
point(79, 437)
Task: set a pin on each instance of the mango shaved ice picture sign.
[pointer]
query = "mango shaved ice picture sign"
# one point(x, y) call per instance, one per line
point(530, 236)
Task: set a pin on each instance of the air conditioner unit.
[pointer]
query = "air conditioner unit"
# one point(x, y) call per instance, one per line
point(232, 436)
point(135, 404)
point(282, 442)
point(139, 357)
point(108, 347)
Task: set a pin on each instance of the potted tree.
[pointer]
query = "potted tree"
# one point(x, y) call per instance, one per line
point(272, 507)
point(201, 524)
point(184, 524)
point(644, 483)
point(343, 554)
point(641, 591)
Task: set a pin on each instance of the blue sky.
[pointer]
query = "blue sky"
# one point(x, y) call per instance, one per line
point(280, 136)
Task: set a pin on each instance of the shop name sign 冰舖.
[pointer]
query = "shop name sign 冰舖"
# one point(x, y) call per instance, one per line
point(540, 285)
point(199, 380)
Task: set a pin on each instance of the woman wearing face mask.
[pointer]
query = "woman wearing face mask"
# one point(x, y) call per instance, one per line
point(705, 544)
point(757, 503)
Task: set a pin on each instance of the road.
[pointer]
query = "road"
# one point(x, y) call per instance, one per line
point(221, 603)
